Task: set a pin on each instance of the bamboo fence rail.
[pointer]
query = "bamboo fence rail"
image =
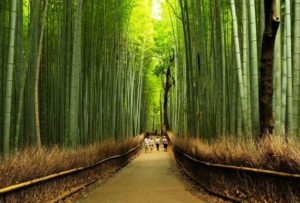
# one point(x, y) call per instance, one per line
point(61, 174)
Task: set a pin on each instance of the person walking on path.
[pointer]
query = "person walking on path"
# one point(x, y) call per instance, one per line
point(165, 143)
point(146, 144)
point(157, 143)
point(151, 143)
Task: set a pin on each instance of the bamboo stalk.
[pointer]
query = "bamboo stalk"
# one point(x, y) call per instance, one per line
point(37, 79)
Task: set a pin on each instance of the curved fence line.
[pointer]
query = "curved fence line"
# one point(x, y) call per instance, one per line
point(241, 168)
point(63, 173)
point(205, 188)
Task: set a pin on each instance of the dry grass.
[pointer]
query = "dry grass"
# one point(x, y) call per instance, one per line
point(276, 154)
point(30, 164)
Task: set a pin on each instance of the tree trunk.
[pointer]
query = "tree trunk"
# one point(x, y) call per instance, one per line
point(266, 68)
point(167, 89)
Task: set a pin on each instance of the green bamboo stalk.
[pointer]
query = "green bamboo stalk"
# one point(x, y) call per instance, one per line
point(9, 80)
point(239, 68)
point(277, 64)
point(296, 65)
point(284, 87)
point(290, 126)
point(245, 62)
point(23, 73)
point(254, 68)
point(75, 78)
point(37, 77)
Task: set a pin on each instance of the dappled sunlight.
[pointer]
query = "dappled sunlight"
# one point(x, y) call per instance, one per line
point(156, 9)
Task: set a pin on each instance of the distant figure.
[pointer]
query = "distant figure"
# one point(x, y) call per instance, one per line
point(157, 143)
point(146, 144)
point(165, 143)
point(151, 143)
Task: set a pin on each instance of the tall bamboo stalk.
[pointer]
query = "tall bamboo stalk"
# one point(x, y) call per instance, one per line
point(9, 80)
point(239, 68)
point(290, 123)
point(75, 79)
point(254, 68)
point(296, 65)
point(37, 77)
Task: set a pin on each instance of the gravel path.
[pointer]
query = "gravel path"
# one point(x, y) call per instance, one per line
point(151, 177)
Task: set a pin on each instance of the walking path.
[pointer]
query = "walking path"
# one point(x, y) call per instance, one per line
point(151, 177)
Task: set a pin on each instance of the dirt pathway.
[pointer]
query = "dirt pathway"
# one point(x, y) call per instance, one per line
point(151, 177)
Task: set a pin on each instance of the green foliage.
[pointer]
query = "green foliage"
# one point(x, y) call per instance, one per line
point(125, 52)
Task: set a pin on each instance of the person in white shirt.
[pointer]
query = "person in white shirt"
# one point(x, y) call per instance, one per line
point(146, 144)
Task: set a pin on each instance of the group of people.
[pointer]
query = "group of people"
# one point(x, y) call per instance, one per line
point(149, 143)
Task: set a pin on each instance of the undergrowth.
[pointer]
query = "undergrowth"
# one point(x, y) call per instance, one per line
point(273, 153)
point(32, 163)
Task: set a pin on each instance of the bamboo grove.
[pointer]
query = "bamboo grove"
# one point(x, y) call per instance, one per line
point(75, 72)
point(71, 72)
point(217, 70)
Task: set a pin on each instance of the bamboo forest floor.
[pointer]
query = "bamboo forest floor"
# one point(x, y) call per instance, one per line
point(151, 177)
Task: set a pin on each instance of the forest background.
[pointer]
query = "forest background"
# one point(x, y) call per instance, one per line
point(79, 72)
